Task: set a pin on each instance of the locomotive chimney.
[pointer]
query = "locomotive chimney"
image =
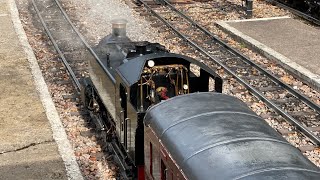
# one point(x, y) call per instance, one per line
point(119, 27)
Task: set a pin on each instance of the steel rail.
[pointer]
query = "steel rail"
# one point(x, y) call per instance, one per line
point(296, 12)
point(113, 146)
point(65, 62)
point(84, 41)
point(276, 80)
point(254, 91)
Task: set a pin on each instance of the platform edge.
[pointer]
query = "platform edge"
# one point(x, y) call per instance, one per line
point(295, 69)
point(59, 134)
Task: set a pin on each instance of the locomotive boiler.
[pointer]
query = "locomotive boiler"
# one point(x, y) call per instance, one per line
point(165, 117)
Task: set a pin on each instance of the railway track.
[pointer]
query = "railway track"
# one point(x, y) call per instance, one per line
point(64, 38)
point(59, 29)
point(74, 52)
point(293, 106)
point(303, 15)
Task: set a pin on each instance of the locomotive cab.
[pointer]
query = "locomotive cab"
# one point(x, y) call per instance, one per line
point(152, 78)
point(147, 79)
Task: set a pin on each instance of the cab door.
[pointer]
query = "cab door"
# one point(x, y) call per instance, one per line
point(123, 116)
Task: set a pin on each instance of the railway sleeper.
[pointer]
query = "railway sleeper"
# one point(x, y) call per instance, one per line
point(61, 33)
point(270, 88)
point(56, 16)
point(63, 82)
point(80, 69)
point(156, 24)
point(67, 46)
point(253, 79)
point(240, 69)
point(302, 113)
point(151, 18)
point(56, 22)
point(171, 36)
point(144, 13)
point(268, 115)
point(78, 64)
point(286, 132)
point(290, 100)
point(78, 56)
point(163, 30)
point(70, 96)
point(70, 38)
point(187, 51)
point(77, 113)
point(306, 148)
point(186, 29)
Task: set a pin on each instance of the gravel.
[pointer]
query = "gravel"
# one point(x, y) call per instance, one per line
point(94, 163)
point(232, 11)
point(206, 18)
point(92, 17)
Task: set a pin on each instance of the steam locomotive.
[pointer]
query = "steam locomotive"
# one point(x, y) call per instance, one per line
point(165, 116)
point(309, 6)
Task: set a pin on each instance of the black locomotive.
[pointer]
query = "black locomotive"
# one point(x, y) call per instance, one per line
point(131, 97)
point(309, 6)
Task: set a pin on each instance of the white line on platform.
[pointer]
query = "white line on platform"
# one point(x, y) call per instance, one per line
point(59, 134)
point(258, 19)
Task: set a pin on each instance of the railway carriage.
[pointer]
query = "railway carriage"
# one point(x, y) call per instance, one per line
point(156, 110)
point(216, 136)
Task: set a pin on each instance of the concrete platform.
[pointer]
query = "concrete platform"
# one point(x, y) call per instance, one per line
point(290, 42)
point(33, 143)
